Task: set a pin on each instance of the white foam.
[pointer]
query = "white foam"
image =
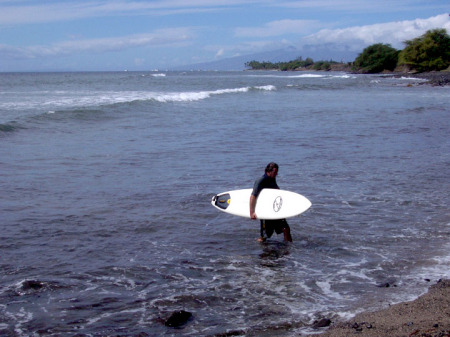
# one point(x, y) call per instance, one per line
point(354, 274)
point(200, 95)
point(412, 79)
point(291, 76)
point(307, 76)
point(325, 286)
point(266, 87)
point(440, 268)
point(62, 100)
point(344, 76)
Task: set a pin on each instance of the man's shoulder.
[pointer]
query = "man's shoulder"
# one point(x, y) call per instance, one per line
point(261, 179)
point(258, 185)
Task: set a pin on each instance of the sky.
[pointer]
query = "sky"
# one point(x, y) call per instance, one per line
point(116, 35)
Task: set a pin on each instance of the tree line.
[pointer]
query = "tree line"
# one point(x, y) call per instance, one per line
point(429, 52)
point(291, 65)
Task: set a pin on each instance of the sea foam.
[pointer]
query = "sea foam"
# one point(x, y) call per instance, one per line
point(57, 101)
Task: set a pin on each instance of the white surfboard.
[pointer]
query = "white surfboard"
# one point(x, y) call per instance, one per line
point(271, 204)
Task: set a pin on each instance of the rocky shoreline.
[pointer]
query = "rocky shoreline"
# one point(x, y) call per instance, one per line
point(427, 316)
point(438, 78)
point(435, 78)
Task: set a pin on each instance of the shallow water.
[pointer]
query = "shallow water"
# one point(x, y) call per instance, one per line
point(106, 181)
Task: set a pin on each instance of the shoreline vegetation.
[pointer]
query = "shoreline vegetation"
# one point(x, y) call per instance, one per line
point(426, 57)
point(426, 316)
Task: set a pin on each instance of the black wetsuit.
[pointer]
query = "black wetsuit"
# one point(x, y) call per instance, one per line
point(268, 226)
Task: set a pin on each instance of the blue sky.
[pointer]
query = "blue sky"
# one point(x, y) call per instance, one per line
point(44, 35)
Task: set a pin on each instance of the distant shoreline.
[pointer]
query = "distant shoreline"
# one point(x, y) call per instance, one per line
point(435, 78)
point(428, 315)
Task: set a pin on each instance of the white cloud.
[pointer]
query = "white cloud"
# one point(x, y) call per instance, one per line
point(362, 7)
point(394, 33)
point(23, 13)
point(277, 28)
point(167, 37)
point(220, 52)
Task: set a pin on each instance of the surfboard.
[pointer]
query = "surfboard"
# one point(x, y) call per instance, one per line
point(271, 204)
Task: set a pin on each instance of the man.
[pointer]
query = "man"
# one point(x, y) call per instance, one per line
point(268, 180)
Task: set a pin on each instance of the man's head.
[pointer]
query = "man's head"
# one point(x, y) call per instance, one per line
point(272, 169)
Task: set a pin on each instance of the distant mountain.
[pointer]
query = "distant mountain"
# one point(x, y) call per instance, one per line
point(281, 55)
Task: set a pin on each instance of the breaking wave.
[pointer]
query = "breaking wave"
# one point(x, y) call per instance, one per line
point(197, 96)
point(63, 100)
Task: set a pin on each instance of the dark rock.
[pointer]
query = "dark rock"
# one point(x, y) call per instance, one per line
point(355, 326)
point(322, 323)
point(32, 285)
point(384, 285)
point(178, 318)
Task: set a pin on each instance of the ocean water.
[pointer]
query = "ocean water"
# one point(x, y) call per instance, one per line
point(106, 226)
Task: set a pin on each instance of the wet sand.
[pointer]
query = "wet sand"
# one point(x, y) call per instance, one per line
point(427, 316)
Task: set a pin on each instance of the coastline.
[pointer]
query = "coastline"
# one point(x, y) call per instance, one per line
point(434, 78)
point(426, 316)
point(437, 78)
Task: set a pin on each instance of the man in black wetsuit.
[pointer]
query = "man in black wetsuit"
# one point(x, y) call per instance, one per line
point(268, 180)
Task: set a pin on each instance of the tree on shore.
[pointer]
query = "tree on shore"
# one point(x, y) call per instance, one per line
point(291, 65)
point(428, 52)
point(256, 65)
point(376, 58)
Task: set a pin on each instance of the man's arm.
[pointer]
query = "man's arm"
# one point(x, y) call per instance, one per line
point(252, 207)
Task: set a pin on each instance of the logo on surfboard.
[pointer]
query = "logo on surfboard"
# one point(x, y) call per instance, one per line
point(278, 202)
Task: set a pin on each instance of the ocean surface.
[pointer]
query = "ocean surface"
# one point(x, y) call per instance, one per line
point(106, 226)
